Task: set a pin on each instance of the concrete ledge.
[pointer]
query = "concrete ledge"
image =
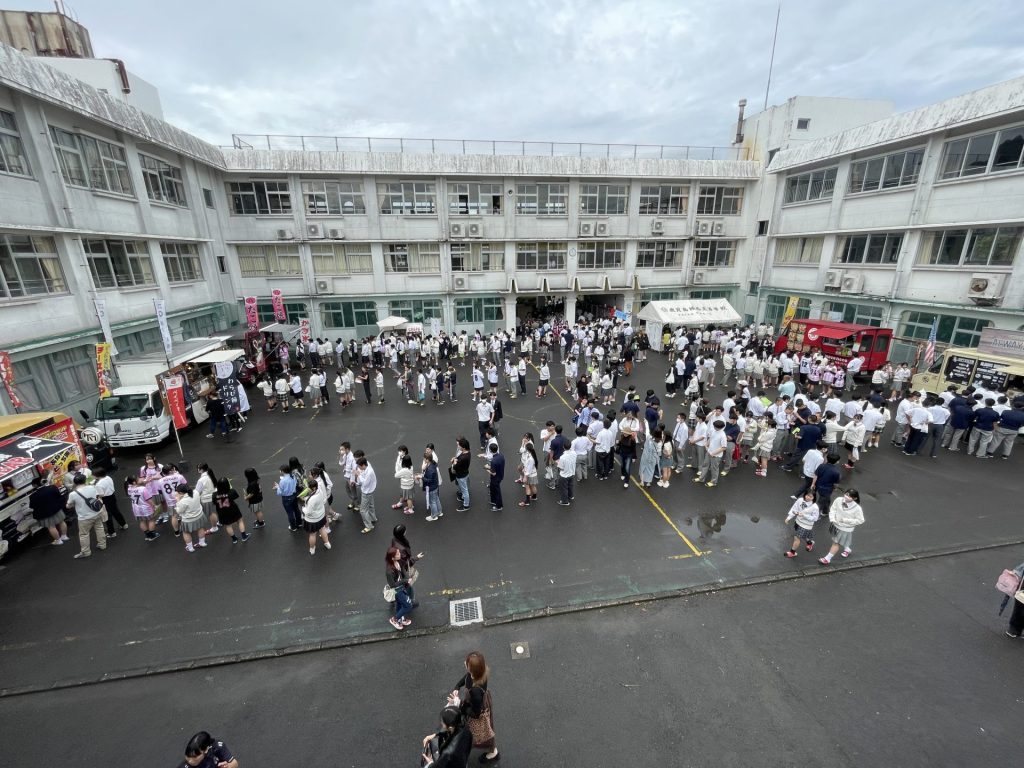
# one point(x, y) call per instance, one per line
point(539, 613)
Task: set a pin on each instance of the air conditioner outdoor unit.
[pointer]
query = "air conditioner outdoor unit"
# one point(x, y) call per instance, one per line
point(455, 230)
point(323, 286)
point(460, 283)
point(475, 229)
point(852, 284)
point(586, 229)
point(657, 227)
point(704, 227)
point(601, 229)
point(834, 278)
point(699, 277)
point(313, 230)
point(986, 289)
point(717, 227)
point(336, 234)
point(284, 234)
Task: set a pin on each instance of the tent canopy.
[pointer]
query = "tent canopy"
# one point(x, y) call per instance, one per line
point(690, 312)
point(390, 322)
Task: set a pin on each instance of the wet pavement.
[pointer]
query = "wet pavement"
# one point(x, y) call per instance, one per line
point(141, 606)
point(904, 665)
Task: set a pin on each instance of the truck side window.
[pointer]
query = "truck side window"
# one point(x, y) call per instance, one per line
point(881, 343)
point(158, 405)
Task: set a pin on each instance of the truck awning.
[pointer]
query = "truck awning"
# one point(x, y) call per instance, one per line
point(19, 453)
point(814, 332)
point(218, 356)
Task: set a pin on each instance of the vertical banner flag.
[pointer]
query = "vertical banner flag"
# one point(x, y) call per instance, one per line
point(227, 386)
point(174, 388)
point(103, 368)
point(435, 326)
point(101, 313)
point(929, 350)
point(252, 320)
point(791, 307)
point(304, 332)
point(277, 301)
point(165, 331)
point(7, 375)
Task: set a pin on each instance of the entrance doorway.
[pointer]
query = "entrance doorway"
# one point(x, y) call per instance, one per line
point(531, 309)
point(598, 305)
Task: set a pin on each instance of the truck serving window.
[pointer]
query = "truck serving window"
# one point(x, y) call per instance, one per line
point(122, 407)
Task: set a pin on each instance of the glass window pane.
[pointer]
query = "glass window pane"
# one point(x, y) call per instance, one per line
point(978, 150)
point(955, 151)
point(1008, 151)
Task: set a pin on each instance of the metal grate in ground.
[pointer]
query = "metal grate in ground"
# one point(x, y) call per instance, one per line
point(466, 611)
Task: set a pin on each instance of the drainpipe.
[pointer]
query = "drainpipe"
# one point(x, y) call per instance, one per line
point(739, 122)
point(122, 72)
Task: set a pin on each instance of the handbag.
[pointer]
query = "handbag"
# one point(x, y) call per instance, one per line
point(94, 503)
point(414, 574)
point(1008, 583)
point(670, 379)
point(389, 594)
point(482, 727)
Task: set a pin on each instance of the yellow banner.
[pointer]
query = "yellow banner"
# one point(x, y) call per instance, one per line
point(103, 368)
point(790, 312)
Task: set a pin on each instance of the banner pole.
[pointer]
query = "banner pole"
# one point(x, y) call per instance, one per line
point(167, 399)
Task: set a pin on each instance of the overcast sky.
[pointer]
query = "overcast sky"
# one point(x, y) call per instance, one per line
point(564, 70)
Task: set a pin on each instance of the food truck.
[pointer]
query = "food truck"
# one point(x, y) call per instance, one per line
point(839, 342)
point(997, 364)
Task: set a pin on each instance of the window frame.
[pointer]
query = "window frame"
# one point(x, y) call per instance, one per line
point(715, 196)
point(905, 178)
point(350, 311)
point(664, 199)
point(136, 257)
point(164, 182)
point(335, 195)
point(401, 258)
point(934, 242)
point(889, 250)
point(12, 145)
point(543, 252)
point(414, 198)
point(811, 186)
point(478, 309)
point(808, 251)
point(600, 254)
point(712, 248)
point(471, 257)
point(52, 286)
point(273, 256)
point(995, 139)
point(345, 258)
point(604, 199)
point(104, 164)
point(550, 198)
point(261, 198)
point(953, 330)
point(416, 309)
point(469, 198)
point(182, 262)
point(655, 251)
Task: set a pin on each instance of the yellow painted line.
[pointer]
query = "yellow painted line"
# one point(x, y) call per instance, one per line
point(696, 552)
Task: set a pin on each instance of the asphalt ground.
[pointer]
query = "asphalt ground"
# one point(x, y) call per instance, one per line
point(140, 607)
point(902, 665)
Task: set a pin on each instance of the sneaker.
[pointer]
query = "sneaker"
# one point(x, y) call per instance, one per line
point(810, 546)
point(56, 543)
point(406, 622)
point(1010, 634)
point(395, 623)
point(234, 539)
point(112, 535)
point(81, 555)
point(846, 552)
point(327, 545)
point(201, 543)
point(312, 550)
point(366, 530)
point(462, 509)
point(214, 529)
point(496, 509)
point(258, 524)
point(824, 561)
point(190, 548)
point(625, 485)
point(177, 534)
point(156, 535)
point(209, 435)
point(710, 485)
point(64, 537)
point(790, 553)
point(724, 472)
point(563, 503)
point(430, 519)
point(409, 511)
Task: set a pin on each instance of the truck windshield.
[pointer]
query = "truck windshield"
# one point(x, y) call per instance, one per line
point(122, 407)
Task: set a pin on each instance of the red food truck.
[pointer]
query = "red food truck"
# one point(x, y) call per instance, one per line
point(839, 342)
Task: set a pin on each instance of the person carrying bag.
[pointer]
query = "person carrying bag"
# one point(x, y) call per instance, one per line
point(1011, 584)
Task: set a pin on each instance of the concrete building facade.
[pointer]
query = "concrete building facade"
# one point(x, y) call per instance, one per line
point(102, 200)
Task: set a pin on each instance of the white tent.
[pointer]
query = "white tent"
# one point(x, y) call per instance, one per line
point(390, 322)
point(688, 312)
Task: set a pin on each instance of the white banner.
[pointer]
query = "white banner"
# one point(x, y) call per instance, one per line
point(101, 313)
point(165, 331)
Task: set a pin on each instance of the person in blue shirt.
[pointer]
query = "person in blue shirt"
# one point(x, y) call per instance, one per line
point(985, 419)
point(496, 470)
point(825, 478)
point(203, 751)
point(286, 488)
point(810, 434)
point(1011, 421)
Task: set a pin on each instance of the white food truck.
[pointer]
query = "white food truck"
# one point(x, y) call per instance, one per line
point(136, 412)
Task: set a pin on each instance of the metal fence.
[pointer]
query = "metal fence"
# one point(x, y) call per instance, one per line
point(484, 147)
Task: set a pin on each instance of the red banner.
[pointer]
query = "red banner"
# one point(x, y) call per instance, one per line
point(252, 320)
point(7, 376)
point(277, 301)
point(304, 330)
point(174, 387)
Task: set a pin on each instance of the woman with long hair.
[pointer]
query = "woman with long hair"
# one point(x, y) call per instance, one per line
point(206, 484)
point(149, 476)
point(254, 495)
point(314, 512)
point(476, 705)
point(190, 513)
point(225, 504)
point(408, 560)
point(528, 466)
point(397, 581)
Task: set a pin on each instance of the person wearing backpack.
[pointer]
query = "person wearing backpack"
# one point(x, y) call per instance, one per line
point(89, 509)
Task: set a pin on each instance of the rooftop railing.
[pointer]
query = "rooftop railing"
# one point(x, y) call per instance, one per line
point(483, 147)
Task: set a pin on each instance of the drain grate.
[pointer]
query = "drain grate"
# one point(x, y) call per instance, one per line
point(464, 612)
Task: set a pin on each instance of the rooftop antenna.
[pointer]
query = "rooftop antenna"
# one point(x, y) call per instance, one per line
point(771, 62)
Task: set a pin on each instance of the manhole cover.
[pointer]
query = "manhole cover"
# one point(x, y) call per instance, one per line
point(520, 650)
point(466, 611)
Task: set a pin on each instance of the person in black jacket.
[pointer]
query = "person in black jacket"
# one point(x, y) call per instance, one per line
point(218, 416)
point(449, 747)
point(476, 705)
point(47, 505)
point(460, 473)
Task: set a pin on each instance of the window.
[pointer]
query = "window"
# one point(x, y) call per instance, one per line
point(542, 199)
point(474, 198)
point(713, 253)
point(716, 201)
point(259, 198)
point(953, 330)
point(600, 255)
point(197, 327)
point(88, 162)
point(138, 342)
point(181, 261)
point(879, 248)
point(667, 199)
point(775, 309)
point(208, 197)
point(334, 198)
point(900, 169)
point(712, 293)
point(478, 257)
point(659, 254)
point(803, 123)
point(816, 185)
point(986, 153)
point(412, 257)
point(986, 247)
point(119, 263)
point(338, 259)
point(163, 181)
point(762, 227)
point(411, 198)
point(416, 310)
point(798, 250)
point(479, 310)
point(293, 310)
point(604, 199)
point(852, 313)
point(29, 266)
point(222, 264)
point(348, 314)
point(267, 260)
point(648, 296)
point(12, 152)
point(548, 256)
